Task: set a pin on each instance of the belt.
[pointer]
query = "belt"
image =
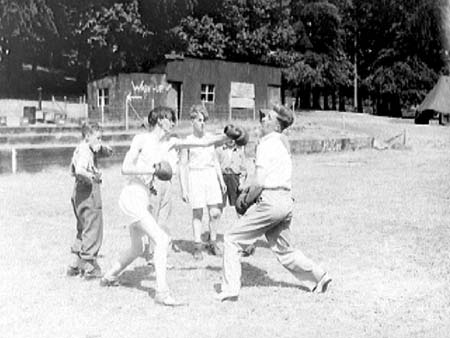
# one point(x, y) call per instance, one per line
point(277, 188)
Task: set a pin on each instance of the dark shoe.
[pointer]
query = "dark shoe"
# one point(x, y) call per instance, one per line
point(214, 249)
point(166, 299)
point(323, 284)
point(198, 256)
point(73, 271)
point(249, 251)
point(105, 282)
point(226, 297)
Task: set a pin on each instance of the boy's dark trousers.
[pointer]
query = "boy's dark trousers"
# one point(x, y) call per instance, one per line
point(231, 180)
point(87, 206)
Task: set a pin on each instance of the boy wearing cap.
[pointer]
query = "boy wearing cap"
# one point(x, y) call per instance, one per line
point(271, 215)
point(87, 202)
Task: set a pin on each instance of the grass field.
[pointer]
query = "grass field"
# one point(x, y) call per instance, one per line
point(379, 221)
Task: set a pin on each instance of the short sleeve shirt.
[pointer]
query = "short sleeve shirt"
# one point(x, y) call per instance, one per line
point(83, 158)
point(274, 162)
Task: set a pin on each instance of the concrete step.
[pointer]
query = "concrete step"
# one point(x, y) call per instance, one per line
point(34, 158)
point(61, 138)
point(51, 129)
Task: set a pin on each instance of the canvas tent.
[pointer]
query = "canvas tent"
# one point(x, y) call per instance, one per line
point(436, 102)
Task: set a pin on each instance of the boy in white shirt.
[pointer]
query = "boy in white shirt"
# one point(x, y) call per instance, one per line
point(272, 213)
point(202, 184)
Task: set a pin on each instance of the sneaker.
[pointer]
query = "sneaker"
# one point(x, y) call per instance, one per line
point(175, 247)
point(105, 282)
point(226, 297)
point(214, 249)
point(151, 263)
point(91, 269)
point(198, 256)
point(94, 273)
point(73, 271)
point(166, 299)
point(323, 284)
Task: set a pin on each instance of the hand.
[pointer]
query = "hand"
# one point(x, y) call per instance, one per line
point(223, 187)
point(97, 177)
point(108, 150)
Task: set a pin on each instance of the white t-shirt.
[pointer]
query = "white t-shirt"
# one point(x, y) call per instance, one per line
point(273, 162)
point(201, 157)
point(153, 150)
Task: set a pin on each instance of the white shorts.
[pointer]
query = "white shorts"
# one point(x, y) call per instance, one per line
point(204, 188)
point(134, 201)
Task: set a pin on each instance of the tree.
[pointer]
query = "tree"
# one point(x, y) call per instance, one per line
point(107, 38)
point(25, 28)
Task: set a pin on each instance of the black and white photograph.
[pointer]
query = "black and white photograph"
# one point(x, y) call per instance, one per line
point(224, 168)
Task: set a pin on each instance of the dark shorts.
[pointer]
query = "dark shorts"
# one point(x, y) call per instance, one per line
point(232, 183)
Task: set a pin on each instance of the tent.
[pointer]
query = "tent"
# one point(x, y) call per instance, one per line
point(437, 101)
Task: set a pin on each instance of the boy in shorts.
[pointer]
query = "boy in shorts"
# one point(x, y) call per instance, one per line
point(149, 150)
point(202, 184)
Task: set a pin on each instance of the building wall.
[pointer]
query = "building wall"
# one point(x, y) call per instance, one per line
point(12, 109)
point(193, 72)
point(152, 90)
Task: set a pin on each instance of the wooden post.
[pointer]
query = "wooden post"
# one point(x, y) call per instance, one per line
point(103, 112)
point(126, 111)
point(229, 106)
point(13, 160)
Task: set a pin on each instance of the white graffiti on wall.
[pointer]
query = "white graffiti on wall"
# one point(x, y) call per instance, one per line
point(152, 88)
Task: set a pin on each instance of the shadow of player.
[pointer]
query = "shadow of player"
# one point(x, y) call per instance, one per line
point(253, 276)
point(134, 278)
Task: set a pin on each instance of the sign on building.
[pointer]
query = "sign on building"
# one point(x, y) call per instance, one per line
point(242, 95)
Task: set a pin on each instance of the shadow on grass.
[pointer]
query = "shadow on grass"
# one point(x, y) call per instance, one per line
point(188, 246)
point(133, 279)
point(254, 276)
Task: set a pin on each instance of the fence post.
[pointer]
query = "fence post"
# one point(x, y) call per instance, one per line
point(13, 160)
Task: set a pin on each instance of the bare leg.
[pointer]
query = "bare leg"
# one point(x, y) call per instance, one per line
point(214, 217)
point(197, 215)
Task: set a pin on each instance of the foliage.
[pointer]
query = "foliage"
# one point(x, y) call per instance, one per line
point(394, 43)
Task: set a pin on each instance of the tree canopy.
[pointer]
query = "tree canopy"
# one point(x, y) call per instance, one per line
point(395, 45)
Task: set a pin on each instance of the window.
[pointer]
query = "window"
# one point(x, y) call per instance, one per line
point(103, 97)
point(207, 93)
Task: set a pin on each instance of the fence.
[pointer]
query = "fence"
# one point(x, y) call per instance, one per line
point(13, 109)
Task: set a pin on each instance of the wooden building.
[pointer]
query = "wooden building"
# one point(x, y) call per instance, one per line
point(127, 97)
point(227, 89)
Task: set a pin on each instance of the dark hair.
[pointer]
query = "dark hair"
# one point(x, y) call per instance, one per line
point(160, 112)
point(89, 128)
point(285, 116)
point(197, 109)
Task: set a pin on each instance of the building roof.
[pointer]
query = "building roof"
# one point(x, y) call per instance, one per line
point(438, 99)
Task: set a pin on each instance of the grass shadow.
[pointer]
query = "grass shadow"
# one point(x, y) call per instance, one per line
point(188, 246)
point(133, 279)
point(253, 276)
